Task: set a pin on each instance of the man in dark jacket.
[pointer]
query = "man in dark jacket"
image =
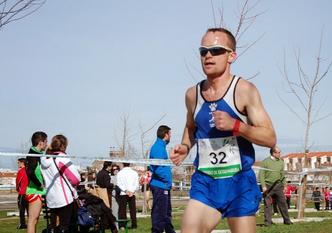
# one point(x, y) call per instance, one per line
point(316, 197)
point(161, 184)
point(104, 180)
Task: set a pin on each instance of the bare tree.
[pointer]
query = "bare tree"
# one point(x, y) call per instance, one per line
point(13, 10)
point(126, 149)
point(304, 88)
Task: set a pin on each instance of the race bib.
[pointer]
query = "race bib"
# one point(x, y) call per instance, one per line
point(219, 157)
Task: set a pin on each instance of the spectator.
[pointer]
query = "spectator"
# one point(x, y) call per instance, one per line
point(273, 181)
point(116, 191)
point(145, 187)
point(127, 180)
point(323, 202)
point(288, 193)
point(21, 187)
point(161, 184)
point(104, 181)
point(327, 198)
point(91, 178)
point(61, 178)
point(35, 189)
point(316, 197)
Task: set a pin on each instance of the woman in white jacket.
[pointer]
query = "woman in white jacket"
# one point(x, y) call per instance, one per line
point(60, 177)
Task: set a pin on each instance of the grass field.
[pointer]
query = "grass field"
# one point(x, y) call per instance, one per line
point(8, 224)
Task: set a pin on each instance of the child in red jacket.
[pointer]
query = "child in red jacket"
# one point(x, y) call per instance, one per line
point(21, 187)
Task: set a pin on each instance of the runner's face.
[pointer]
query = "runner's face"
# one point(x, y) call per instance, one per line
point(216, 65)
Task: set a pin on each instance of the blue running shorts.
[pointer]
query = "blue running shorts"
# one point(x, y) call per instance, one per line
point(237, 196)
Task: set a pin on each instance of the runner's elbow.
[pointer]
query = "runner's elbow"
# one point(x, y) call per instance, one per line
point(268, 141)
point(272, 141)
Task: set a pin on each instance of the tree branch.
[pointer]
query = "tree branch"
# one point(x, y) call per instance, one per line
point(291, 109)
point(291, 84)
point(322, 118)
point(213, 14)
point(13, 10)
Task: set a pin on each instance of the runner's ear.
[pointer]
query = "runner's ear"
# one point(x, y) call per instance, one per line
point(231, 57)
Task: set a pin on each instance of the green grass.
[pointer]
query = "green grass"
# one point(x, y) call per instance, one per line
point(8, 224)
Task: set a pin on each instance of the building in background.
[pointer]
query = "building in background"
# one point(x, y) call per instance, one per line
point(320, 162)
point(7, 180)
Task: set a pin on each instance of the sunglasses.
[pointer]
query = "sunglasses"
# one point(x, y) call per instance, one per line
point(214, 50)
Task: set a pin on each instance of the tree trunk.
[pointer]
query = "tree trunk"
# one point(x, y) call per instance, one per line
point(303, 189)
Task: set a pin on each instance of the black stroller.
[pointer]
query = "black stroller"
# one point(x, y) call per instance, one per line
point(101, 214)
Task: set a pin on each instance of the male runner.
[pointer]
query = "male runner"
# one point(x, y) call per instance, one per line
point(225, 116)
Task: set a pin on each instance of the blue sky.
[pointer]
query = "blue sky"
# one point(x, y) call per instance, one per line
point(76, 67)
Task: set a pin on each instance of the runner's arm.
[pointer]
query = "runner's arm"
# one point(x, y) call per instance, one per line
point(259, 129)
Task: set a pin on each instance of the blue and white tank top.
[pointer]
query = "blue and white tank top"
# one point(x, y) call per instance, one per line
point(206, 131)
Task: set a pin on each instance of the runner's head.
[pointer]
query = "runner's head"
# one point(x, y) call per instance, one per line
point(217, 51)
point(230, 42)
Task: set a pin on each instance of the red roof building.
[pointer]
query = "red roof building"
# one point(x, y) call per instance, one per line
point(295, 161)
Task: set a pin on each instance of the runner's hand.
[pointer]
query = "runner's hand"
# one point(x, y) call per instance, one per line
point(223, 121)
point(178, 154)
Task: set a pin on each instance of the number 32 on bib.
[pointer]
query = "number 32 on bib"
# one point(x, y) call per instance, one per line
point(219, 157)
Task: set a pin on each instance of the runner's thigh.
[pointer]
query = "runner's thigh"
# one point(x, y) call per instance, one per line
point(199, 218)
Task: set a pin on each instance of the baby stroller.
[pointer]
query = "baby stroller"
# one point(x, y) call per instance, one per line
point(102, 217)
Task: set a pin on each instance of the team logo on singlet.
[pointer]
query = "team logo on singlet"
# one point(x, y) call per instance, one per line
point(213, 107)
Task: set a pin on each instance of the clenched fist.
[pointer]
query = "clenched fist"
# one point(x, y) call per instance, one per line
point(223, 121)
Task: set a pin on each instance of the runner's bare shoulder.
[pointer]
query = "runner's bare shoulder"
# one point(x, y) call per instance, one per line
point(246, 93)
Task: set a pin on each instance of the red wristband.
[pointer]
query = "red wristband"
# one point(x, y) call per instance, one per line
point(236, 128)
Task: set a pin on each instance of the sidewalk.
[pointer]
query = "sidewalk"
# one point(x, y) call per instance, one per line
point(305, 219)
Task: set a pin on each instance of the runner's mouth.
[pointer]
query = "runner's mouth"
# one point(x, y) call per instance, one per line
point(209, 63)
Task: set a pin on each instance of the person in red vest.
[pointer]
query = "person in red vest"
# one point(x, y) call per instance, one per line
point(21, 187)
point(288, 193)
point(145, 180)
point(327, 198)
